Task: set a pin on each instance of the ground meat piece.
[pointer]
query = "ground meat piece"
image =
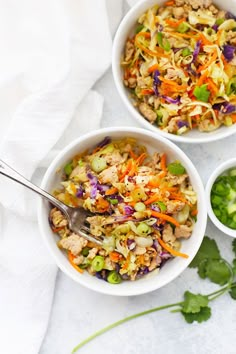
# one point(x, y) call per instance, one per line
point(78, 260)
point(109, 175)
point(173, 125)
point(114, 158)
point(213, 9)
point(129, 50)
point(57, 218)
point(147, 112)
point(92, 253)
point(178, 12)
point(174, 205)
point(183, 231)
point(179, 2)
point(199, 3)
point(231, 37)
point(132, 82)
point(167, 234)
point(96, 220)
point(73, 243)
point(79, 174)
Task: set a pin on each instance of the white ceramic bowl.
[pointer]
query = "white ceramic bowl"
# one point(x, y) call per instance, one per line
point(125, 29)
point(172, 268)
point(217, 172)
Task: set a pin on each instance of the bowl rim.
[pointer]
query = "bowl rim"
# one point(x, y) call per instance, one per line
point(201, 196)
point(216, 173)
point(206, 138)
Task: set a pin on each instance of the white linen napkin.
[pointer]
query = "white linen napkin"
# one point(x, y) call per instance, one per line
point(52, 52)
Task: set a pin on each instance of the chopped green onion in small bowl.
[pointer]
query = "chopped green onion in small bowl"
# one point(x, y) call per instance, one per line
point(221, 197)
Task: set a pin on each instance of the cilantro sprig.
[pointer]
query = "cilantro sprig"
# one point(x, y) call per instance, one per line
point(194, 307)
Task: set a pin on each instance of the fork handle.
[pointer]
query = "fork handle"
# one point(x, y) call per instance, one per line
point(9, 172)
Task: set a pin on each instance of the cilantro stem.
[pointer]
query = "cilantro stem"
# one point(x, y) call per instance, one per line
point(117, 323)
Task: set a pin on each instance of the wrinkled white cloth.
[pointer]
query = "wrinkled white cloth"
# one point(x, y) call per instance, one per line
point(52, 53)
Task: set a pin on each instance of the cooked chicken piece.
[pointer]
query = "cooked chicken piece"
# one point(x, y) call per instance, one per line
point(147, 112)
point(167, 234)
point(178, 12)
point(58, 219)
point(173, 125)
point(73, 243)
point(96, 220)
point(176, 179)
point(115, 157)
point(109, 175)
point(129, 50)
point(79, 173)
point(174, 205)
point(92, 253)
point(154, 263)
point(183, 231)
point(213, 9)
point(179, 2)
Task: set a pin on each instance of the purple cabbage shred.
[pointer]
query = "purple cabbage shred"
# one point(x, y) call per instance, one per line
point(128, 210)
point(182, 123)
point(104, 142)
point(94, 183)
point(196, 51)
point(80, 192)
point(229, 16)
point(228, 51)
point(156, 82)
point(171, 100)
point(224, 107)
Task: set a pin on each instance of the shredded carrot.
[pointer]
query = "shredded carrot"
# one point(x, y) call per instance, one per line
point(102, 204)
point(171, 250)
point(111, 191)
point(115, 256)
point(219, 33)
point(169, 3)
point(205, 66)
point(147, 92)
point(128, 168)
point(132, 170)
point(57, 229)
point(141, 158)
point(154, 182)
point(204, 40)
point(153, 68)
point(182, 35)
point(233, 116)
point(174, 23)
point(179, 197)
point(164, 217)
point(132, 154)
point(194, 212)
point(71, 258)
point(212, 86)
point(163, 162)
point(152, 199)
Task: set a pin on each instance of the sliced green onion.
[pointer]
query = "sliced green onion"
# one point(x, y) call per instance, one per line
point(98, 263)
point(183, 27)
point(219, 21)
point(139, 28)
point(232, 172)
point(185, 52)
point(176, 168)
point(114, 277)
point(162, 206)
point(143, 229)
point(113, 201)
point(98, 164)
point(68, 168)
point(85, 251)
point(163, 42)
point(140, 206)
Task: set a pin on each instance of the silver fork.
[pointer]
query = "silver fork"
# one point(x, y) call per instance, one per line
point(76, 216)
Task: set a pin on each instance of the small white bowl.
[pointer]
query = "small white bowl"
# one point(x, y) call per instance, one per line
point(217, 172)
point(126, 28)
point(171, 269)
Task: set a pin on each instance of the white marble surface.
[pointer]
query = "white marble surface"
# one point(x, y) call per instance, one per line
point(78, 312)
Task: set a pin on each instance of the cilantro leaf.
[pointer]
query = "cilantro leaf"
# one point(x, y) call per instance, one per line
point(207, 250)
point(201, 93)
point(232, 292)
point(203, 315)
point(202, 269)
point(193, 302)
point(234, 246)
point(217, 271)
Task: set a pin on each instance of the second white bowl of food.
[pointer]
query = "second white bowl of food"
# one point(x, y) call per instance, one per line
point(221, 197)
point(176, 67)
point(167, 184)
